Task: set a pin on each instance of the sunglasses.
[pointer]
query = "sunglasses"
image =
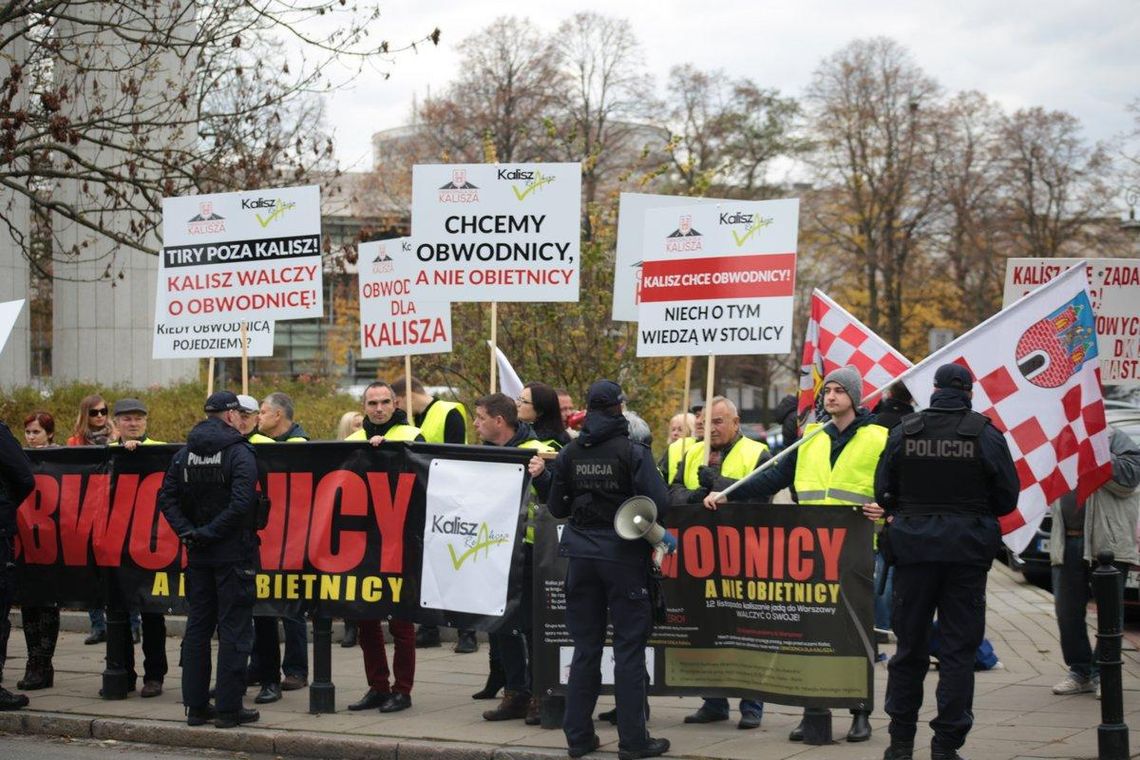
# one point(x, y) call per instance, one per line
point(97, 412)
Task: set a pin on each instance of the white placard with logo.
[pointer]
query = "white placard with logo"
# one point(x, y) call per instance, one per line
point(566, 656)
point(219, 340)
point(1114, 290)
point(497, 232)
point(718, 279)
point(630, 245)
point(233, 256)
point(394, 319)
point(469, 535)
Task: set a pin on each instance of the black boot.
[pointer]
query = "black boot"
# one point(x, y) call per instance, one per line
point(39, 675)
point(860, 730)
point(944, 754)
point(10, 701)
point(899, 751)
point(496, 680)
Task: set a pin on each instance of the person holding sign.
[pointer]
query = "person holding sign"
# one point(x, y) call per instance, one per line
point(835, 467)
point(731, 456)
point(684, 431)
point(592, 476)
point(945, 477)
point(383, 421)
point(439, 422)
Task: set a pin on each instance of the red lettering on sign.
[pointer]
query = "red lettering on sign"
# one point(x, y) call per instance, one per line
point(37, 528)
point(153, 544)
point(831, 545)
point(729, 540)
point(391, 511)
point(297, 528)
point(345, 553)
point(698, 553)
point(83, 516)
point(800, 544)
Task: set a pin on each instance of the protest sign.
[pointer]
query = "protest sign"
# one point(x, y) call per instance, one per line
point(239, 256)
point(771, 602)
point(213, 340)
point(484, 232)
point(1114, 289)
point(9, 313)
point(631, 245)
point(394, 320)
point(718, 279)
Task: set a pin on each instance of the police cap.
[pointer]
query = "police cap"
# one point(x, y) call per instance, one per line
point(603, 394)
point(222, 401)
point(953, 376)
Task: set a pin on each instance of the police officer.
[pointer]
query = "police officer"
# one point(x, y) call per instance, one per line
point(591, 477)
point(208, 497)
point(835, 467)
point(16, 482)
point(944, 479)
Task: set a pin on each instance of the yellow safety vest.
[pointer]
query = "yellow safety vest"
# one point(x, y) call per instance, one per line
point(436, 418)
point(260, 438)
point(395, 433)
point(741, 460)
point(852, 480)
point(532, 507)
point(675, 454)
point(146, 442)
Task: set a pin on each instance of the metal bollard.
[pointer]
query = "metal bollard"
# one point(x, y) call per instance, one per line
point(115, 677)
point(1112, 733)
point(817, 725)
point(322, 692)
point(553, 707)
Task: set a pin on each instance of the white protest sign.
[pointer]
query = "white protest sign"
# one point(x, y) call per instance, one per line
point(394, 320)
point(631, 246)
point(489, 232)
point(218, 340)
point(718, 279)
point(1114, 289)
point(469, 535)
point(234, 256)
point(9, 313)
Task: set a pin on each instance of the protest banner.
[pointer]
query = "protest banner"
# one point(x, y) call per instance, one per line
point(631, 246)
point(350, 528)
point(718, 279)
point(394, 319)
point(232, 257)
point(9, 313)
point(763, 601)
point(210, 341)
point(1114, 290)
point(484, 232)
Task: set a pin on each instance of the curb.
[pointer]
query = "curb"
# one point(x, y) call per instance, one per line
point(254, 740)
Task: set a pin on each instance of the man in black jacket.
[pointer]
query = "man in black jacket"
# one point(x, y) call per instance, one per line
point(208, 497)
point(591, 478)
point(944, 478)
point(16, 482)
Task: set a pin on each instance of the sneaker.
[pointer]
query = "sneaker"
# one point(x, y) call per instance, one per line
point(1074, 684)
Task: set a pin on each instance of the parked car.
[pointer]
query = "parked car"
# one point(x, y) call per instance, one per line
point(1034, 560)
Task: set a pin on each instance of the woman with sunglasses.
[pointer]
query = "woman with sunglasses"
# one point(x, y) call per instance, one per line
point(41, 624)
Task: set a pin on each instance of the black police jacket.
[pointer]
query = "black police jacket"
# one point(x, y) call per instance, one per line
point(944, 484)
point(590, 479)
point(221, 510)
point(16, 480)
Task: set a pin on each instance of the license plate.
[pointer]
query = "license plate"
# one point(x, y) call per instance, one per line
point(1133, 579)
point(1043, 546)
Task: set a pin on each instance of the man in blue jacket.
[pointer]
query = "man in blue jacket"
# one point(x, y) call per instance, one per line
point(208, 497)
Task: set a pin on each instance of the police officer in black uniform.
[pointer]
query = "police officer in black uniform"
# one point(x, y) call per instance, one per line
point(16, 482)
point(944, 478)
point(591, 477)
point(208, 497)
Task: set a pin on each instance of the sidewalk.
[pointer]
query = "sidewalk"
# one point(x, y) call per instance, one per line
point(1016, 714)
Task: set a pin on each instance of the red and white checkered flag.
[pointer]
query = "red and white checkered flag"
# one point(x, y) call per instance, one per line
point(1036, 377)
point(835, 339)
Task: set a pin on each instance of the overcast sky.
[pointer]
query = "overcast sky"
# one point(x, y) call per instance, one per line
point(1081, 56)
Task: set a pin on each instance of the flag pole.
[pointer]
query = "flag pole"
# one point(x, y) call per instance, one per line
point(408, 386)
point(687, 428)
point(494, 344)
point(710, 376)
point(244, 359)
point(210, 378)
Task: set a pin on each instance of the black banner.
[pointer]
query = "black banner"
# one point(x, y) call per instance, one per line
point(772, 602)
point(345, 535)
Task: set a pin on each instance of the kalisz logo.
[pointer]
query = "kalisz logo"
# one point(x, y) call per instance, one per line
point(458, 190)
point(531, 181)
point(754, 222)
point(382, 264)
point(475, 538)
point(274, 208)
point(684, 238)
point(206, 222)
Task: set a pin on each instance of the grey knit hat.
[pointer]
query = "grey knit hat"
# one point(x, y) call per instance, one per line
point(850, 379)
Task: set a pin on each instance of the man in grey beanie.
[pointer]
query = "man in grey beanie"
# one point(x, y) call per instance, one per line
point(835, 467)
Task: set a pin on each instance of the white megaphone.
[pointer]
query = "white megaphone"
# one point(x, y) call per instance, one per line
point(637, 518)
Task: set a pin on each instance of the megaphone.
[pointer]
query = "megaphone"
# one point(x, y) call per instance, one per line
point(637, 518)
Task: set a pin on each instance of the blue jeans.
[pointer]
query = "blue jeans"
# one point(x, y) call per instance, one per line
point(99, 620)
point(719, 706)
point(883, 600)
point(1072, 590)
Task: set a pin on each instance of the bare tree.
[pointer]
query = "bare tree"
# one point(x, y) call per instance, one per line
point(106, 106)
point(872, 110)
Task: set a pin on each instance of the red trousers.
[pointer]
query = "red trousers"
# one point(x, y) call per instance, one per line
point(371, 637)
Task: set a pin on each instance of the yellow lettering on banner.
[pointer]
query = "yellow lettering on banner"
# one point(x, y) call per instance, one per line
point(293, 587)
point(710, 589)
point(395, 586)
point(182, 584)
point(161, 585)
point(262, 586)
point(350, 589)
point(309, 580)
point(732, 589)
point(372, 589)
point(330, 587)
